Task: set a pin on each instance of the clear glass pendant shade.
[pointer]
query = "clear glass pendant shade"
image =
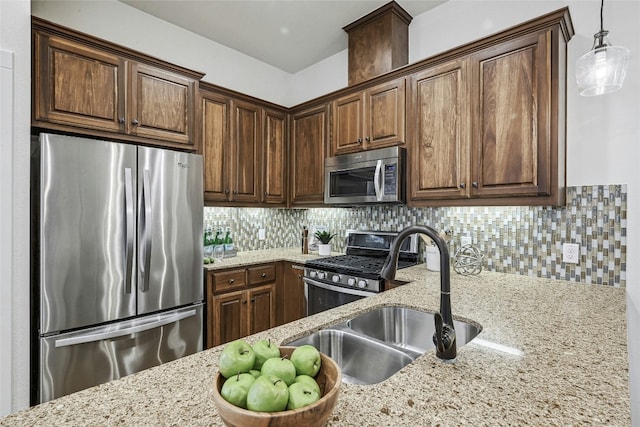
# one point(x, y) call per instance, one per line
point(603, 68)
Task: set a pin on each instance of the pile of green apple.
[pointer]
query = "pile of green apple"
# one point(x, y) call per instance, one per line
point(259, 379)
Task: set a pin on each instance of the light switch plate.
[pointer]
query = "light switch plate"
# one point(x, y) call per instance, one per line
point(262, 234)
point(570, 253)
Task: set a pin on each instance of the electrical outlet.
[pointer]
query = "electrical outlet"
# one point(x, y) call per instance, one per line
point(570, 253)
point(262, 234)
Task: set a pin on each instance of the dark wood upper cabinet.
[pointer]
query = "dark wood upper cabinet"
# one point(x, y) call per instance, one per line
point(309, 130)
point(215, 145)
point(441, 118)
point(274, 164)
point(246, 145)
point(368, 119)
point(85, 85)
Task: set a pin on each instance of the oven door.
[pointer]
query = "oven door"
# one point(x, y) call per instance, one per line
point(322, 296)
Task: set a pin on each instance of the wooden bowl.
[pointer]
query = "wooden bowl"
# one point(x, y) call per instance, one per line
point(329, 379)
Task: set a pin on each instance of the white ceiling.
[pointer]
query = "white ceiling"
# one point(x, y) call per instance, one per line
point(287, 34)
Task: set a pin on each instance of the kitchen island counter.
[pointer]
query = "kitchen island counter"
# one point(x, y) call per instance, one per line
point(550, 353)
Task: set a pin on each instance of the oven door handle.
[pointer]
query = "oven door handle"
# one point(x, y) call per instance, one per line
point(342, 290)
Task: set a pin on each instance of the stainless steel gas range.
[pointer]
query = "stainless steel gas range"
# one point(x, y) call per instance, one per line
point(334, 281)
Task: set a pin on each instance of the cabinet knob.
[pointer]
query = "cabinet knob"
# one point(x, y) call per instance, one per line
point(264, 274)
point(235, 191)
point(244, 301)
point(367, 139)
point(266, 193)
point(120, 120)
point(475, 184)
point(359, 140)
point(231, 281)
point(226, 191)
point(135, 122)
point(462, 185)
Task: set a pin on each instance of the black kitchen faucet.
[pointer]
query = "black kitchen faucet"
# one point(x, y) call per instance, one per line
point(445, 336)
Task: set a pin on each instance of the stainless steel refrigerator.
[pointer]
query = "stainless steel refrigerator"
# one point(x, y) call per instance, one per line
point(117, 261)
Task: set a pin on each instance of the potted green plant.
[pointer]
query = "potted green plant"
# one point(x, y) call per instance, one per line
point(324, 247)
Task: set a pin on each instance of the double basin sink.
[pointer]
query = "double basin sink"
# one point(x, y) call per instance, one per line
point(375, 345)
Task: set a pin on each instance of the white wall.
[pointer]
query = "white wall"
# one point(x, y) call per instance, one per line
point(603, 132)
point(15, 113)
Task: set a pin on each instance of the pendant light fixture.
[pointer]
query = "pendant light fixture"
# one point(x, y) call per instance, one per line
point(602, 69)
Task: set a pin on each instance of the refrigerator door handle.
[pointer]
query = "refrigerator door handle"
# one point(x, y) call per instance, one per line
point(109, 334)
point(129, 237)
point(147, 227)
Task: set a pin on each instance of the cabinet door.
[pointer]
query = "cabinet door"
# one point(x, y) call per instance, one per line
point(308, 144)
point(246, 139)
point(215, 146)
point(274, 164)
point(439, 138)
point(76, 85)
point(160, 104)
point(511, 130)
point(262, 308)
point(384, 116)
point(347, 124)
point(230, 317)
point(290, 301)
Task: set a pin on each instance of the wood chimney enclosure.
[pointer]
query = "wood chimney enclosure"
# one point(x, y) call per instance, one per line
point(378, 42)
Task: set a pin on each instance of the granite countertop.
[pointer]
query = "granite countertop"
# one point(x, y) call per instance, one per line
point(572, 370)
point(264, 256)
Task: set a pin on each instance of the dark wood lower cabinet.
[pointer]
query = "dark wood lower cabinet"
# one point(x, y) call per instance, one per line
point(290, 301)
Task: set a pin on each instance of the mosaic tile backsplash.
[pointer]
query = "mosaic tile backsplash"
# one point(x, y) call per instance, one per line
point(524, 240)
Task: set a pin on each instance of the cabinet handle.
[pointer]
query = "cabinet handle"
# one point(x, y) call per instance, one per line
point(475, 184)
point(231, 281)
point(367, 139)
point(266, 193)
point(264, 274)
point(226, 191)
point(299, 276)
point(120, 120)
point(244, 301)
point(462, 185)
point(135, 122)
point(359, 140)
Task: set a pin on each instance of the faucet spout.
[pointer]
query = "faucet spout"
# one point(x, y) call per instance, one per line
point(445, 336)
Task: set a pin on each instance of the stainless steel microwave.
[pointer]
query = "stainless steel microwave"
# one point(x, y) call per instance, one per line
point(367, 177)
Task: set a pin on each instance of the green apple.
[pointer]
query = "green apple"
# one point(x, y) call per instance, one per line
point(264, 349)
point(281, 368)
point(302, 394)
point(307, 380)
point(268, 394)
point(236, 388)
point(306, 359)
point(236, 357)
point(255, 373)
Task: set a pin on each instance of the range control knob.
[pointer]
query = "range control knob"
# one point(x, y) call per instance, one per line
point(335, 278)
point(313, 274)
point(362, 284)
point(351, 281)
point(321, 275)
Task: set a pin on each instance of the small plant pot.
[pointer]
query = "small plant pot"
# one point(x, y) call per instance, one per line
point(324, 249)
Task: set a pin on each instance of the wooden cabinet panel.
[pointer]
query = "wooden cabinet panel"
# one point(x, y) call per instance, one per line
point(373, 118)
point(440, 138)
point(77, 85)
point(262, 308)
point(511, 129)
point(160, 104)
point(227, 280)
point(290, 301)
point(230, 317)
point(215, 145)
point(385, 114)
point(309, 129)
point(246, 140)
point(261, 274)
point(274, 165)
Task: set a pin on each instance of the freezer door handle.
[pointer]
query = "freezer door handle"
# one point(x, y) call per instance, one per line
point(129, 237)
point(109, 334)
point(147, 227)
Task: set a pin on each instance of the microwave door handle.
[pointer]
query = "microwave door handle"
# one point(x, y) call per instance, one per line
point(377, 182)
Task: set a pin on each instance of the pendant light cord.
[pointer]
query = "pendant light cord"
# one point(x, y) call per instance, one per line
point(601, 14)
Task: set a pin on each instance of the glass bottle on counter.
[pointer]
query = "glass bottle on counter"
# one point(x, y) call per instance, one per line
point(208, 242)
point(228, 241)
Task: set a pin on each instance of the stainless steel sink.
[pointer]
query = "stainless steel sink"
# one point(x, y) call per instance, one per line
point(373, 346)
point(362, 360)
point(408, 329)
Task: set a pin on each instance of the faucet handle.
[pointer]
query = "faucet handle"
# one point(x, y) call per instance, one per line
point(444, 338)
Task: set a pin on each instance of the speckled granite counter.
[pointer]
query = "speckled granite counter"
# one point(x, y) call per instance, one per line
point(573, 369)
point(262, 256)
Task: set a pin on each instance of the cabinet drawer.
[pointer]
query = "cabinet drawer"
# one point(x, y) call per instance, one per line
point(228, 280)
point(262, 274)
